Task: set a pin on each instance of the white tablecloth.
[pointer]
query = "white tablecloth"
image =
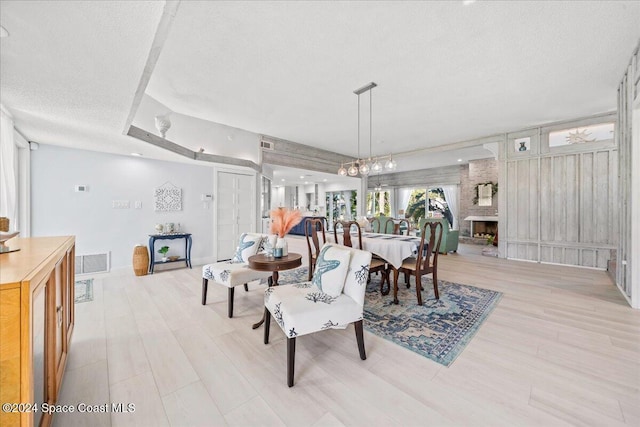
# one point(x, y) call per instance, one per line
point(390, 247)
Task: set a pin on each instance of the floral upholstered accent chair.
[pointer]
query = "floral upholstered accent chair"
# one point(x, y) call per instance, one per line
point(236, 271)
point(333, 299)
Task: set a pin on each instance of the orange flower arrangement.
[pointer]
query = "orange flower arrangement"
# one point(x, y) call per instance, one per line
point(283, 220)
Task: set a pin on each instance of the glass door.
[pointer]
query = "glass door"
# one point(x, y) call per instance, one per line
point(265, 204)
point(341, 205)
point(427, 203)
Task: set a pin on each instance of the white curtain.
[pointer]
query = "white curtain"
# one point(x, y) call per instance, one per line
point(452, 196)
point(8, 181)
point(403, 198)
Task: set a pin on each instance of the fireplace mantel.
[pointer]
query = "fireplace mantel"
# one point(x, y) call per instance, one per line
point(482, 218)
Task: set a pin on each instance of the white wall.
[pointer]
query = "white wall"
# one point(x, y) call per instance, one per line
point(58, 210)
point(277, 197)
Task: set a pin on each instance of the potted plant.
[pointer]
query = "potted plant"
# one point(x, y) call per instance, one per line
point(163, 250)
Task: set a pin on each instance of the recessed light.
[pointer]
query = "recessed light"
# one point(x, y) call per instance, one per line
point(325, 180)
point(468, 2)
point(306, 182)
point(301, 176)
point(459, 160)
point(3, 32)
point(282, 180)
point(136, 154)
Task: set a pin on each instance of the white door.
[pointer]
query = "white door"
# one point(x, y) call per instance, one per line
point(235, 210)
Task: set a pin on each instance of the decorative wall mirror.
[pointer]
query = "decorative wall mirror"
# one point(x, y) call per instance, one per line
point(485, 194)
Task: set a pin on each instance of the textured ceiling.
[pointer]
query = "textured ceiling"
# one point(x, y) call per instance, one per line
point(69, 70)
point(446, 72)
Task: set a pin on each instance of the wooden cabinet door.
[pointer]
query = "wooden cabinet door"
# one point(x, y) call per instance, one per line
point(58, 336)
point(70, 295)
point(39, 314)
point(10, 363)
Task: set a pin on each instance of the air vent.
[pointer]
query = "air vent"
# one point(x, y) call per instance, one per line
point(93, 263)
point(266, 145)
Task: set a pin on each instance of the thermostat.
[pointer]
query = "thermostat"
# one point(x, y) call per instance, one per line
point(81, 188)
point(207, 197)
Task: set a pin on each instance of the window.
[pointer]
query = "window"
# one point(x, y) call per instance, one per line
point(341, 205)
point(582, 135)
point(9, 167)
point(378, 202)
point(428, 203)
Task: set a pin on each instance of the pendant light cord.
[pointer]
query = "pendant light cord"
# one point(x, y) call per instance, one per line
point(358, 129)
point(370, 118)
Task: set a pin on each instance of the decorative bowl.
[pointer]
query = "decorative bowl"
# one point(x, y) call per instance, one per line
point(3, 238)
point(173, 258)
point(6, 236)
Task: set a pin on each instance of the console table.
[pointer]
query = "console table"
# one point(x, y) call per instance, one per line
point(169, 236)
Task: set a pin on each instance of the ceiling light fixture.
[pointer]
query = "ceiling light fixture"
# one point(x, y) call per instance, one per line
point(163, 124)
point(371, 164)
point(459, 160)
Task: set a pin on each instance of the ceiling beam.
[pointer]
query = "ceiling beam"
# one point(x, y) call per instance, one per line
point(152, 139)
point(295, 155)
point(162, 32)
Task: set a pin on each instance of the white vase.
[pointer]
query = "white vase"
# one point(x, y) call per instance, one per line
point(282, 244)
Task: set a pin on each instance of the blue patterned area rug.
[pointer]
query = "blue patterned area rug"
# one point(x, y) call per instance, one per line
point(83, 291)
point(438, 330)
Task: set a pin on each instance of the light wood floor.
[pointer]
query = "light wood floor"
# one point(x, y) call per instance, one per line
point(561, 348)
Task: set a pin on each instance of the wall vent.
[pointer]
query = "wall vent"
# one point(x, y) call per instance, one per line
point(266, 145)
point(92, 263)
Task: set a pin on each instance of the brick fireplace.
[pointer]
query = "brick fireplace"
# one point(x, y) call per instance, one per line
point(482, 226)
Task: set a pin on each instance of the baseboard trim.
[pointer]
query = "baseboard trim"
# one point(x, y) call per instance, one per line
point(626, 297)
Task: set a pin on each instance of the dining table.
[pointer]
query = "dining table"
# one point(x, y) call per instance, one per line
point(393, 248)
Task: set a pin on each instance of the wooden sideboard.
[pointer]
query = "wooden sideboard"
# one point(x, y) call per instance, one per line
point(36, 321)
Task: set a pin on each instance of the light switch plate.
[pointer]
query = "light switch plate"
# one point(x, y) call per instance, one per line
point(138, 204)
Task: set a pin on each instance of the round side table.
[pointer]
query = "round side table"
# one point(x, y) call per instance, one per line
point(262, 262)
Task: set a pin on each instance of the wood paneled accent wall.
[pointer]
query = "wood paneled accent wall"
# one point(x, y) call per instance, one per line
point(628, 97)
point(561, 205)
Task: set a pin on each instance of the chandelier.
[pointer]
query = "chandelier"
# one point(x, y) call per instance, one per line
point(371, 164)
